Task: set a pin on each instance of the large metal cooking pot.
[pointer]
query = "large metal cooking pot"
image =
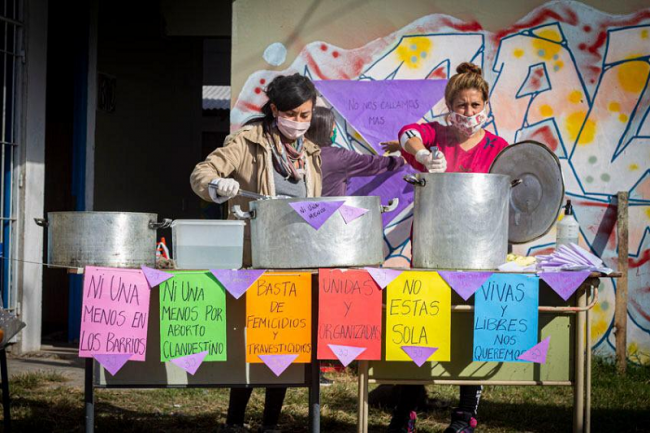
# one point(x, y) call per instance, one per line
point(460, 220)
point(281, 239)
point(112, 239)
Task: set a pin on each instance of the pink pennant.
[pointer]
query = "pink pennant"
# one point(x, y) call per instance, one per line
point(346, 354)
point(564, 283)
point(465, 283)
point(383, 276)
point(112, 362)
point(537, 353)
point(316, 212)
point(154, 276)
point(278, 363)
point(190, 363)
point(237, 281)
point(350, 213)
point(419, 354)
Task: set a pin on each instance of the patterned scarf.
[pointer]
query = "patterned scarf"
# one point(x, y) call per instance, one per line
point(288, 158)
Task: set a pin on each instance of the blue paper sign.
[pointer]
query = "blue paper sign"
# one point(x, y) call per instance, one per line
point(505, 317)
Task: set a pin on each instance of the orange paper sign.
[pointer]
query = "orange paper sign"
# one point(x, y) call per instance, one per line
point(278, 316)
point(349, 313)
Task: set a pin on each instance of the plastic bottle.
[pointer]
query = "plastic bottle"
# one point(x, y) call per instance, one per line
point(568, 230)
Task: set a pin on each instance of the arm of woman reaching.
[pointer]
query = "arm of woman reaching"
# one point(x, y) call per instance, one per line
point(369, 165)
point(419, 150)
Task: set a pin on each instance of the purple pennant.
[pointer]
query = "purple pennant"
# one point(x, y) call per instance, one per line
point(346, 354)
point(278, 363)
point(112, 362)
point(154, 276)
point(379, 109)
point(564, 283)
point(190, 363)
point(465, 283)
point(316, 212)
point(237, 281)
point(419, 354)
point(383, 277)
point(537, 353)
point(350, 213)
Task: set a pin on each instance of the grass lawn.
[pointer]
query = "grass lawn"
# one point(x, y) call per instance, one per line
point(43, 402)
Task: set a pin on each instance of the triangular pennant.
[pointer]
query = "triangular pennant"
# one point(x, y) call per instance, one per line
point(346, 354)
point(112, 362)
point(419, 354)
point(378, 109)
point(316, 212)
point(537, 353)
point(382, 276)
point(154, 276)
point(236, 282)
point(465, 283)
point(278, 363)
point(350, 213)
point(190, 363)
point(564, 283)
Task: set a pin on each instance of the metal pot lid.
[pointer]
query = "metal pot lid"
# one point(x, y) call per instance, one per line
point(536, 202)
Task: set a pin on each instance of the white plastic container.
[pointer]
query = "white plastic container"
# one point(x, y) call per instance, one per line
point(568, 230)
point(208, 244)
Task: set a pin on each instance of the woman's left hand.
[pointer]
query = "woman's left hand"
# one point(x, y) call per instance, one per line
point(390, 146)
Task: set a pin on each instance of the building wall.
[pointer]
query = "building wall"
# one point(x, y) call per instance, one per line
point(572, 75)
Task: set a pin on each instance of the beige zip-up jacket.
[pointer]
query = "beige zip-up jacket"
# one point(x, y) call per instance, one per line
point(246, 157)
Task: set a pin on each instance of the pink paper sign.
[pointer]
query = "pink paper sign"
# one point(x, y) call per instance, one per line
point(316, 212)
point(537, 353)
point(465, 283)
point(346, 354)
point(154, 276)
point(236, 282)
point(350, 213)
point(419, 354)
point(383, 277)
point(190, 363)
point(278, 363)
point(115, 313)
point(112, 363)
point(564, 283)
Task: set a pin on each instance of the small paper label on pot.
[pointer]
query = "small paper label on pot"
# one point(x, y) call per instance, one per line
point(316, 213)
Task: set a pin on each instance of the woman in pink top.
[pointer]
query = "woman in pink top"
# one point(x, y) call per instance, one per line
point(460, 146)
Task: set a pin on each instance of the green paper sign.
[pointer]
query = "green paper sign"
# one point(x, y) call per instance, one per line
point(192, 316)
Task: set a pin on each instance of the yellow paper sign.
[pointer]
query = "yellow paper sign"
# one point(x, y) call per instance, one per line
point(278, 316)
point(418, 313)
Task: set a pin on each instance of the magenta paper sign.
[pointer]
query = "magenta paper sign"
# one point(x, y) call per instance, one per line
point(465, 283)
point(278, 363)
point(383, 277)
point(115, 313)
point(419, 354)
point(154, 276)
point(112, 363)
point(190, 363)
point(346, 354)
point(350, 213)
point(379, 109)
point(564, 283)
point(316, 212)
point(235, 281)
point(537, 353)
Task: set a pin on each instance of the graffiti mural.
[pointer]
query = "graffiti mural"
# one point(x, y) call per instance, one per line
point(567, 75)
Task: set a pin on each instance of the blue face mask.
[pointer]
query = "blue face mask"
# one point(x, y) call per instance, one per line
point(333, 138)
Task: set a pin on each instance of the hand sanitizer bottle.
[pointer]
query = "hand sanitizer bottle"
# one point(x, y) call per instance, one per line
point(567, 230)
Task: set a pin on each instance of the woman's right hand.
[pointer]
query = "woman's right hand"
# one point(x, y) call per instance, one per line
point(437, 164)
point(223, 188)
point(390, 146)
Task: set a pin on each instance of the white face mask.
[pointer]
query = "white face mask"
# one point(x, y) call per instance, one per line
point(469, 125)
point(291, 129)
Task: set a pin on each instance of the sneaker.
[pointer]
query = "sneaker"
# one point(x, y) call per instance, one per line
point(461, 422)
point(325, 381)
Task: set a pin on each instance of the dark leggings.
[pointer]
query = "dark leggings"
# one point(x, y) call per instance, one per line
point(272, 405)
point(407, 398)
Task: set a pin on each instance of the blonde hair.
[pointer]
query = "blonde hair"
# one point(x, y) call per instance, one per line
point(468, 76)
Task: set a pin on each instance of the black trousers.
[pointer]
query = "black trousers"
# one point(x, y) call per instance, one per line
point(239, 398)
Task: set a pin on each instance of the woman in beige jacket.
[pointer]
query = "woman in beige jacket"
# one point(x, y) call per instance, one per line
point(268, 156)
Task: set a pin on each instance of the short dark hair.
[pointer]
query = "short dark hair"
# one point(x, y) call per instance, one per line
point(320, 130)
